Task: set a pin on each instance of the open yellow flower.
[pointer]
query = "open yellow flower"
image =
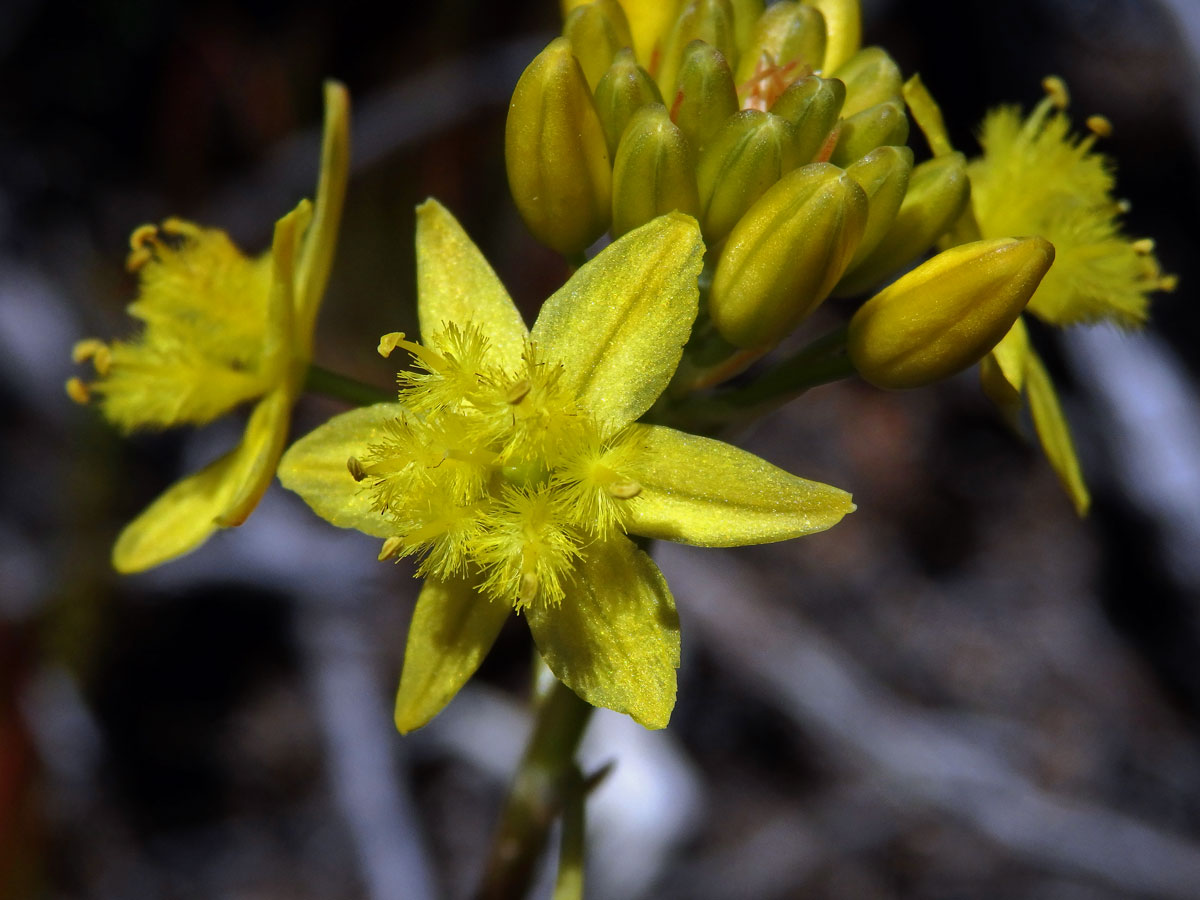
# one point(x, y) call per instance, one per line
point(514, 468)
point(219, 329)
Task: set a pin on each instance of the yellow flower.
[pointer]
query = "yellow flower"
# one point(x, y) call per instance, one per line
point(219, 329)
point(514, 468)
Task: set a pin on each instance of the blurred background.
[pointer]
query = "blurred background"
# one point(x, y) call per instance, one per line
point(962, 691)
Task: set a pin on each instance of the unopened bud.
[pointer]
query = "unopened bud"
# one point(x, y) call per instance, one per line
point(749, 153)
point(653, 174)
point(937, 194)
point(625, 88)
point(597, 30)
point(710, 21)
point(813, 106)
point(786, 254)
point(788, 35)
point(557, 158)
point(876, 126)
point(705, 96)
point(745, 17)
point(947, 313)
point(883, 175)
point(843, 29)
point(871, 77)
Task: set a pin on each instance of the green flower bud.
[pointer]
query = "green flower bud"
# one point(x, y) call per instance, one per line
point(555, 152)
point(748, 154)
point(883, 175)
point(843, 27)
point(625, 87)
point(710, 21)
point(871, 77)
point(947, 313)
point(812, 105)
point(787, 32)
point(706, 95)
point(937, 194)
point(597, 30)
point(653, 174)
point(876, 126)
point(745, 17)
point(786, 254)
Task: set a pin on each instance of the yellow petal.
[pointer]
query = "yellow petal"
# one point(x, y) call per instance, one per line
point(321, 240)
point(614, 639)
point(619, 325)
point(182, 518)
point(452, 629)
point(1054, 433)
point(315, 468)
point(279, 340)
point(843, 24)
point(456, 284)
point(712, 494)
point(1002, 372)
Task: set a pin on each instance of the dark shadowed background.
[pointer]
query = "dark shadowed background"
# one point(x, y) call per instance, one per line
point(962, 691)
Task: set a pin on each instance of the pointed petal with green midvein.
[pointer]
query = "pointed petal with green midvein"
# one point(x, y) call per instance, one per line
point(614, 639)
point(452, 629)
point(315, 467)
point(1054, 433)
point(619, 325)
point(704, 492)
point(456, 284)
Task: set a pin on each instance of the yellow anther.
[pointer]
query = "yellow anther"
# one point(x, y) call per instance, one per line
point(1056, 89)
point(1168, 283)
point(1099, 126)
point(624, 490)
point(391, 547)
point(1124, 206)
point(389, 342)
point(518, 391)
point(95, 350)
point(528, 588)
point(357, 472)
point(78, 391)
point(141, 246)
point(1143, 246)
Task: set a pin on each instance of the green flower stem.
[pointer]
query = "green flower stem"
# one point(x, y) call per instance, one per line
point(537, 794)
point(821, 362)
point(569, 884)
point(320, 380)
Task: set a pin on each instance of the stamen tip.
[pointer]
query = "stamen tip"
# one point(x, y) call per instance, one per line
point(78, 391)
point(1057, 91)
point(357, 472)
point(391, 547)
point(389, 342)
point(1100, 126)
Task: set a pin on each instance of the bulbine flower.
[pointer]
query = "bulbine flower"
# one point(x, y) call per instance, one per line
point(218, 329)
point(514, 468)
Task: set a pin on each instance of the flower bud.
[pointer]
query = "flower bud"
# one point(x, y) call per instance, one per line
point(812, 105)
point(748, 154)
point(947, 313)
point(706, 96)
point(556, 155)
point(745, 17)
point(710, 21)
point(883, 175)
point(843, 28)
point(597, 30)
point(786, 254)
point(876, 126)
point(625, 88)
point(937, 194)
point(787, 33)
point(871, 77)
point(653, 174)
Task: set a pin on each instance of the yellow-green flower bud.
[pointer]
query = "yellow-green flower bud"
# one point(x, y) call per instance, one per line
point(653, 174)
point(748, 154)
point(554, 148)
point(786, 254)
point(883, 175)
point(843, 27)
point(876, 126)
point(625, 88)
point(947, 313)
point(745, 17)
point(871, 77)
point(710, 21)
point(597, 30)
point(788, 32)
point(706, 95)
point(812, 105)
point(937, 194)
